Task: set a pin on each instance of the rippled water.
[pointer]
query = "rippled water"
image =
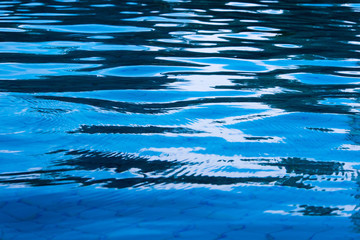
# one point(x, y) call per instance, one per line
point(179, 119)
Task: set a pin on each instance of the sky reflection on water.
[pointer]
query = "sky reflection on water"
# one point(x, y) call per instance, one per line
point(179, 119)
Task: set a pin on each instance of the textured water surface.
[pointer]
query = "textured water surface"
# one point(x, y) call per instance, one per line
point(179, 119)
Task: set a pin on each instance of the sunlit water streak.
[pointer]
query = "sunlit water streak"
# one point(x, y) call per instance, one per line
point(166, 119)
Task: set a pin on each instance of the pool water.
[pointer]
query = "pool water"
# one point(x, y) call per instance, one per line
point(179, 119)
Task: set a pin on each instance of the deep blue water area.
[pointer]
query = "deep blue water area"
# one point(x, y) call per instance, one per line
point(179, 119)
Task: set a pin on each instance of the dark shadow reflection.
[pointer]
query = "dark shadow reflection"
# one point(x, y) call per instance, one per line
point(290, 102)
point(318, 210)
point(126, 170)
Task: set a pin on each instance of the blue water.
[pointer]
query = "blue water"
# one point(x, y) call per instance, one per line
point(179, 119)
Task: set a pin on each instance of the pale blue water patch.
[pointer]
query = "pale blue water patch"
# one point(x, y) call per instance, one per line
point(92, 59)
point(34, 48)
point(215, 202)
point(13, 17)
point(342, 101)
point(310, 133)
point(214, 64)
point(58, 7)
point(11, 30)
point(167, 25)
point(320, 78)
point(287, 45)
point(212, 50)
point(345, 63)
point(103, 5)
point(63, 47)
point(244, 4)
point(100, 37)
point(31, 21)
point(145, 71)
point(262, 36)
point(5, 6)
point(132, 3)
point(159, 96)
point(271, 11)
point(204, 38)
point(129, 12)
point(114, 47)
point(233, 10)
point(263, 29)
point(5, 12)
point(33, 4)
point(13, 71)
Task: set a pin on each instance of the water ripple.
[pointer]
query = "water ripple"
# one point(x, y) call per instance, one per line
point(179, 119)
point(86, 28)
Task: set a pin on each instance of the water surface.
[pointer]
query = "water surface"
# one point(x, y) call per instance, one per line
point(179, 119)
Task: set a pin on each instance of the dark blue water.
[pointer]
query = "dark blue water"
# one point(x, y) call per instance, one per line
point(179, 119)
